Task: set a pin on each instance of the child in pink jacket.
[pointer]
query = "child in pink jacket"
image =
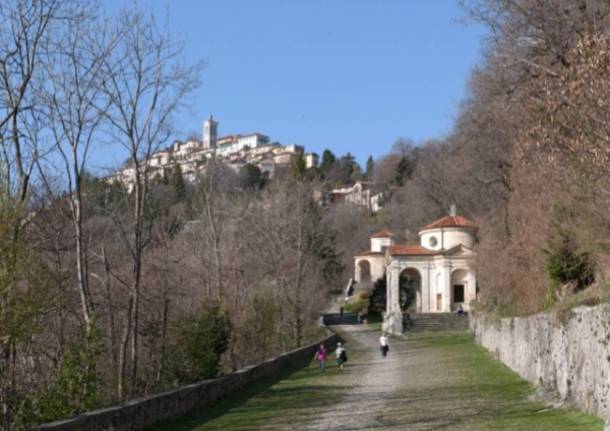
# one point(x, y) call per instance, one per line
point(321, 356)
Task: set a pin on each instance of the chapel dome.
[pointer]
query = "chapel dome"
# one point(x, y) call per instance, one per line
point(448, 232)
point(451, 221)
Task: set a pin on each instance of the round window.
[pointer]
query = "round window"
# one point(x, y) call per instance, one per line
point(433, 241)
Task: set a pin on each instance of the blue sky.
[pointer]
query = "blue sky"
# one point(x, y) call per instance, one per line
point(349, 75)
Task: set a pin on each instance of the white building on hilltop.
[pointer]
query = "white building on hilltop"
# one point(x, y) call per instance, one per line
point(435, 276)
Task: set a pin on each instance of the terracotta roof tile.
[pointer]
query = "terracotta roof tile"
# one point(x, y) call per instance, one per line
point(383, 234)
point(410, 250)
point(450, 221)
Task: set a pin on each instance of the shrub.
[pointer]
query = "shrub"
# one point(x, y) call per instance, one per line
point(378, 297)
point(357, 305)
point(77, 388)
point(361, 295)
point(202, 339)
point(566, 263)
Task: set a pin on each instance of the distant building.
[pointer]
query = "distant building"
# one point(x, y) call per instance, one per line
point(210, 133)
point(235, 143)
point(311, 160)
point(364, 194)
point(193, 155)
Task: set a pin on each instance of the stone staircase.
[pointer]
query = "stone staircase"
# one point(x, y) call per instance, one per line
point(435, 322)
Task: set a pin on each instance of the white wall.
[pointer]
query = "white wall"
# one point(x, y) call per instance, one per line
point(447, 238)
point(378, 244)
point(377, 264)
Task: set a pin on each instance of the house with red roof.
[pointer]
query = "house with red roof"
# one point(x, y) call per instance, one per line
point(435, 276)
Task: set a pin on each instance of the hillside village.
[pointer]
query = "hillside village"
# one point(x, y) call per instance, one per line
point(235, 151)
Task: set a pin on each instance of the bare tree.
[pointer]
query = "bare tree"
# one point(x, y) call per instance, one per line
point(147, 84)
point(76, 107)
point(24, 26)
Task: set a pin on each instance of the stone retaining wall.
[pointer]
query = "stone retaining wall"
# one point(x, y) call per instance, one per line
point(566, 355)
point(141, 413)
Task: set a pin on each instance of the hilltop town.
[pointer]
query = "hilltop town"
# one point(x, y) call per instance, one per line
point(193, 155)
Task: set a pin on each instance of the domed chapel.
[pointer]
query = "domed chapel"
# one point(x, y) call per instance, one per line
point(435, 276)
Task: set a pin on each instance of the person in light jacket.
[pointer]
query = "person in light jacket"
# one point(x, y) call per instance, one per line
point(341, 354)
point(384, 345)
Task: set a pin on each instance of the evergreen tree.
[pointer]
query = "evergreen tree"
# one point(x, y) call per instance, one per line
point(357, 174)
point(202, 338)
point(370, 168)
point(377, 301)
point(348, 169)
point(298, 170)
point(566, 262)
point(251, 177)
point(328, 160)
point(403, 171)
point(177, 183)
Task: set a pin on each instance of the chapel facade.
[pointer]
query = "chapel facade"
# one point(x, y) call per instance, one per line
point(435, 276)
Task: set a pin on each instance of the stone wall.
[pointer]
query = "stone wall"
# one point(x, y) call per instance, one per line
point(141, 413)
point(566, 354)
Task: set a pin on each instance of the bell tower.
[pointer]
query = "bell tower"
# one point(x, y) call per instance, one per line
point(210, 133)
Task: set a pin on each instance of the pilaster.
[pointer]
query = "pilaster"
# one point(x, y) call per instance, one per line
point(472, 289)
point(447, 287)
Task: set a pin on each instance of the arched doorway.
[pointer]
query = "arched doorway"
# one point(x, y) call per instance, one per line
point(459, 288)
point(410, 290)
point(364, 268)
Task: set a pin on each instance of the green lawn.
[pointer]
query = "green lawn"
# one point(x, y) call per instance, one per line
point(503, 400)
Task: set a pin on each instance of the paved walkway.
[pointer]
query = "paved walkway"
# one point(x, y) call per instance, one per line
point(434, 381)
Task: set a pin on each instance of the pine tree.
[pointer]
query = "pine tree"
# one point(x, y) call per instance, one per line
point(177, 183)
point(251, 177)
point(370, 168)
point(403, 171)
point(298, 170)
point(328, 160)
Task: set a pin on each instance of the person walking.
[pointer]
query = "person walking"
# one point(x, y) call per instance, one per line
point(341, 354)
point(321, 356)
point(384, 345)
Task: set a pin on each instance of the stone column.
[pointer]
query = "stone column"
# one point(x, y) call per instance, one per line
point(425, 288)
point(471, 295)
point(447, 287)
point(393, 317)
point(388, 290)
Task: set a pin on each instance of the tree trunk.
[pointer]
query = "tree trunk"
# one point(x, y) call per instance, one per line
point(123, 353)
point(163, 339)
